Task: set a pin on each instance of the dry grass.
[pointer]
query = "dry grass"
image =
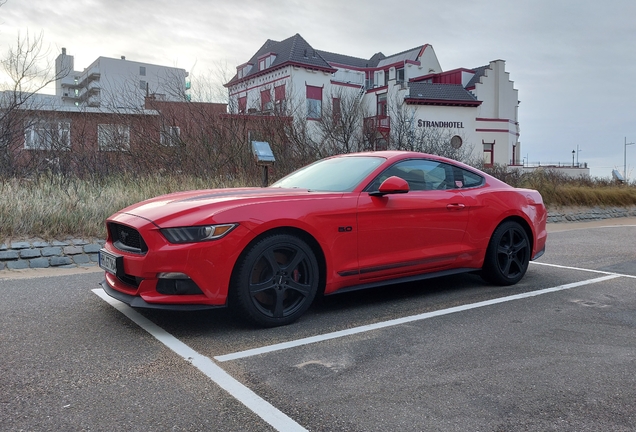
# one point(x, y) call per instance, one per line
point(55, 207)
point(559, 190)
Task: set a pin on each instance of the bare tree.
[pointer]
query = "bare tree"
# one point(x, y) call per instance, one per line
point(340, 128)
point(29, 71)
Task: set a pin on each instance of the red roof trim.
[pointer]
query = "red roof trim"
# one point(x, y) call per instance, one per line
point(497, 131)
point(374, 69)
point(414, 101)
point(280, 66)
point(358, 86)
point(449, 72)
point(493, 120)
point(377, 89)
point(260, 85)
point(422, 50)
point(267, 55)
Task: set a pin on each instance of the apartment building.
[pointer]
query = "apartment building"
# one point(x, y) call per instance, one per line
point(117, 83)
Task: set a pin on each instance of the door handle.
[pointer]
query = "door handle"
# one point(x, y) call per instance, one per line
point(456, 206)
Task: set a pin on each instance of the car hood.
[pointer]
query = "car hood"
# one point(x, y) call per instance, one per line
point(172, 209)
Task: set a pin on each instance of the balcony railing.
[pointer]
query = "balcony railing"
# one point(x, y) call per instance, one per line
point(380, 123)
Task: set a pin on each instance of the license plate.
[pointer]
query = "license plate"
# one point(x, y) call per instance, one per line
point(108, 261)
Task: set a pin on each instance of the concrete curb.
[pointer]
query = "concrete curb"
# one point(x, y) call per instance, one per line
point(589, 214)
point(38, 254)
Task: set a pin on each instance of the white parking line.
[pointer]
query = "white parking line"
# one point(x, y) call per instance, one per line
point(247, 397)
point(583, 269)
point(398, 321)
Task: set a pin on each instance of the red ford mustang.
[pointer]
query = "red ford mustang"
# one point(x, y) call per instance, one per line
point(343, 223)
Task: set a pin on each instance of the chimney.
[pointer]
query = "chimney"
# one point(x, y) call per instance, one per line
point(63, 51)
point(123, 57)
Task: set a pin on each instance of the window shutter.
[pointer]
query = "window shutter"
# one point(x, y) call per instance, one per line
point(314, 92)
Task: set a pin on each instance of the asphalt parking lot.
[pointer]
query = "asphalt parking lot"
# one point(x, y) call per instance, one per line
point(555, 352)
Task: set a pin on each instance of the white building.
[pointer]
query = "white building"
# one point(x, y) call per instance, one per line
point(479, 105)
point(117, 83)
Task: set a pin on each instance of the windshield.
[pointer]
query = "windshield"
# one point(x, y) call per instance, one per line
point(340, 174)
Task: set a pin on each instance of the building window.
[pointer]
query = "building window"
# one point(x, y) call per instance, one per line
point(266, 61)
point(242, 105)
point(266, 100)
point(314, 102)
point(170, 135)
point(47, 135)
point(399, 75)
point(142, 70)
point(382, 108)
point(279, 99)
point(113, 137)
point(489, 153)
point(142, 85)
point(368, 82)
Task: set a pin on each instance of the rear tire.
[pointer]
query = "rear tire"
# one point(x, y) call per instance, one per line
point(508, 255)
point(275, 281)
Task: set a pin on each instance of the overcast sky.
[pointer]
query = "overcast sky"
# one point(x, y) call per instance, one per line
point(573, 61)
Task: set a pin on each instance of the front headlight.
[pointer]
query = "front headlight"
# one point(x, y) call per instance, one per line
point(196, 233)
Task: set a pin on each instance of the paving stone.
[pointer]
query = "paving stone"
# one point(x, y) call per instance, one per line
point(20, 245)
point(59, 243)
point(73, 250)
point(57, 261)
point(94, 257)
point(39, 263)
point(3, 247)
point(81, 259)
point(2, 266)
point(92, 248)
point(9, 255)
point(40, 244)
point(17, 265)
point(30, 253)
point(79, 242)
point(51, 251)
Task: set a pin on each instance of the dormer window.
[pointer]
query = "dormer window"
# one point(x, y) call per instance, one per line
point(243, 70)
point(266, 61)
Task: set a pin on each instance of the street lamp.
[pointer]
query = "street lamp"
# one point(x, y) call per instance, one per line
point(625, 158)
point(573, 158)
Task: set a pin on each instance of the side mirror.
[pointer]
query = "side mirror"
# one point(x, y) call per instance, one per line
point(392, 185)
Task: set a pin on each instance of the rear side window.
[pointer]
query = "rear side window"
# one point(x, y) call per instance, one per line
point(467, 179)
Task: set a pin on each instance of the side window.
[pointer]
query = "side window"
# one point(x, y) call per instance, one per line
point(466, 179)
point(420, 174)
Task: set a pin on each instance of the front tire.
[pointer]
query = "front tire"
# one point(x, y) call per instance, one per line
point(508, 255)
point(275, 281)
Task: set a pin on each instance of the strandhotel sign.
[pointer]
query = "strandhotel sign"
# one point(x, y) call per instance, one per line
point(440, 124)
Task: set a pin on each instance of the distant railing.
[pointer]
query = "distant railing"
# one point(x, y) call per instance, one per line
point(548, 164)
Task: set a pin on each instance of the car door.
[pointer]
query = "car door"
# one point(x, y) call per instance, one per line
point(415, 232)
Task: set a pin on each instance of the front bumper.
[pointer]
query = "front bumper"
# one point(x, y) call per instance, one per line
point(138, 302)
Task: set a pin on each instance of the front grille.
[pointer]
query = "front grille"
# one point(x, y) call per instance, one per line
point(127, 239)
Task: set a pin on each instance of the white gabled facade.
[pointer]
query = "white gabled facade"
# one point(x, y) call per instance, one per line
point(479, 105)
point(117, 83)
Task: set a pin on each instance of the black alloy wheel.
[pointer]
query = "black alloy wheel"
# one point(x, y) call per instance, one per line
point(508, 255)
point(275, 281)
